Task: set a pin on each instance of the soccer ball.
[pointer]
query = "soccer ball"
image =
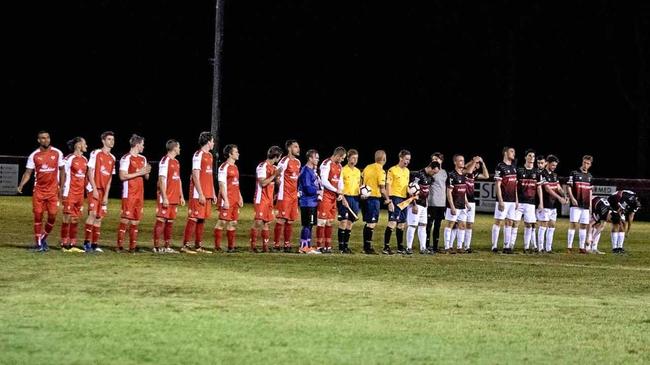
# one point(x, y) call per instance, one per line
point(414, 188)
point(365, 191)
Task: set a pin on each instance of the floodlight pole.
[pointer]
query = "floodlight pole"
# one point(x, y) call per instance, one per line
point(216, 79)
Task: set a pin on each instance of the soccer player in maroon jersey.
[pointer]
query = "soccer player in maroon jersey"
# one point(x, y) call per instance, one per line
point(529, 185)
point(73, 193)
point(471, 173)
point(507, 201)
point(602, 212)
point(266, 173)
point(580, 197)
point(170, 195)
point(626, 203)
point(552, 192)
point(230, 199)
point(457, 204)
point(47, 163)
point(133, 168)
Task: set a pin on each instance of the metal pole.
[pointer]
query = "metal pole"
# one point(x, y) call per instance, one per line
point(216, 78)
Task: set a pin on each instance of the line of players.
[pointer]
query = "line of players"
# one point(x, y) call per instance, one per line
point(323, 193)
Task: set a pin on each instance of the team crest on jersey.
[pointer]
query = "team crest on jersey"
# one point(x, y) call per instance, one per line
point(52, 157)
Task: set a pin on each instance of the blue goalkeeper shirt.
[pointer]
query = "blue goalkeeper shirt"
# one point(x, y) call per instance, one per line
point(308, 187)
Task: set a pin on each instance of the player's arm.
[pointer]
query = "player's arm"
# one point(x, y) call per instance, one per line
point(500, 196)
point(484, 171)
point(147, 168)
point(554, 194)
point(125, 175)
point(629, 223)
point(61, 181)
point(26, 176)
point(180, 183)
point(163, 169)
point(469, 167)
point(223, 179)
point(450, 199)
point(590, 196)
point(570, 190)
point(324, 174)
point(388, 201)
point(541, 199)
point(265, 180)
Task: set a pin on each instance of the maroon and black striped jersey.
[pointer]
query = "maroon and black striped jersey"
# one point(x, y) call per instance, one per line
point(508, 176)
point(626, 200)
point(527, 182)
point(600, 209)
point(580, 185)
point(550, 180)
point(469, 180)
point(456, 183)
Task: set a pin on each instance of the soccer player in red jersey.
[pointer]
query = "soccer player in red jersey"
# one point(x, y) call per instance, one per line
point(47, 163)
point(101, 168)
point(73, 193)
point(266, 173)
point(170, 195)
point(229, 200)
point(287, 200)
point(133, 168)
point(330, 174)
point(202, 195)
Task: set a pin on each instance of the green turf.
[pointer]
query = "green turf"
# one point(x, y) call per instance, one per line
point(61, 308)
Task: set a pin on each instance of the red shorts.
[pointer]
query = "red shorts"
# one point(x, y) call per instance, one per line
point(95, 205)
point(264, 211)
point(287, 209)
point(73, 206)
point(49, 204)
point(132, 209)
point(230, 214)
point(327, 207)
point(198, 211)
point(166, 213)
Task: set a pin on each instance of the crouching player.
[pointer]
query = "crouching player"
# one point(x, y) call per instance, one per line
point(602, 213)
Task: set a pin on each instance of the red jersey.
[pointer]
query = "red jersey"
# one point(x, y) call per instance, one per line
point(133, 188)
point(170, 169)
point(46, 166)
point(289, 178)
point(104, 165)
point(202, 161)
point(229, 175)
point(75, 176)
point(264, 193)
point(330, 174)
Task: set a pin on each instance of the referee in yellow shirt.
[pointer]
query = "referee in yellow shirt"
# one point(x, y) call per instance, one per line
point(374, 177)
point(397, 181)
point(349, 184)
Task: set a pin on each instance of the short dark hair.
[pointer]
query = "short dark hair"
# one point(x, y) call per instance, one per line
point(439, 155)
point(541, 157)
point(434, 165)
point(73, 142)
point(42, 132)
point(274, 152)
point(135, 139)
point(530, 150)
point(588, 158)
point(106, 134)
point(505, 149)
point(228, 149)
point(338, 151)
point(404, 153)
point(456, 156)
point(204, 138)
point(552, 158)
point(288, 143)
point(352, 152)
point(311, 153)
point(171, 144)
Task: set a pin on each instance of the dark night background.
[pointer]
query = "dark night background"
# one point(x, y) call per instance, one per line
point(567, 78)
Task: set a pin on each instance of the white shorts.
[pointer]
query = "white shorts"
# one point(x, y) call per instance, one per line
point(413, 219)
point(546, 215)
point(471, 212)
point(527, 211)
point(509, 211)
point(579, 215)
point(461, 215)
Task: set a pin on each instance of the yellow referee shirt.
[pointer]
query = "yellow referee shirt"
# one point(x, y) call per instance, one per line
point(398, 179)
point(351, 180)
point(374, 176)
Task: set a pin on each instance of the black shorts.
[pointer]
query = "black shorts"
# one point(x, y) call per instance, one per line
point(308, 216)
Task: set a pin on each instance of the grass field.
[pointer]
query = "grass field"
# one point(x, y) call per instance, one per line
point(60, 308)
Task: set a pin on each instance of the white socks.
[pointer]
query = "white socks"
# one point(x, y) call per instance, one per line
point(447, 236)
point(541, 234)
point(582, 236)
point(507, 233)
point(528, 233)
point(468, 238)
point(410, 234)
point(422, 237)
point(570, 235)
point(495, 235)
point(549, 238)
point(461, 238)
point(513, 237)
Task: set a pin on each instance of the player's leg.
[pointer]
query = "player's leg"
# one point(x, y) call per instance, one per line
point(460, 236)
point(499, 217)
point(583, 229)
point(469, 225)
point(574, 218)
point(412, 223)
point(542, 218)
point(450, 222)
point(370, 217)
point(550, 231)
